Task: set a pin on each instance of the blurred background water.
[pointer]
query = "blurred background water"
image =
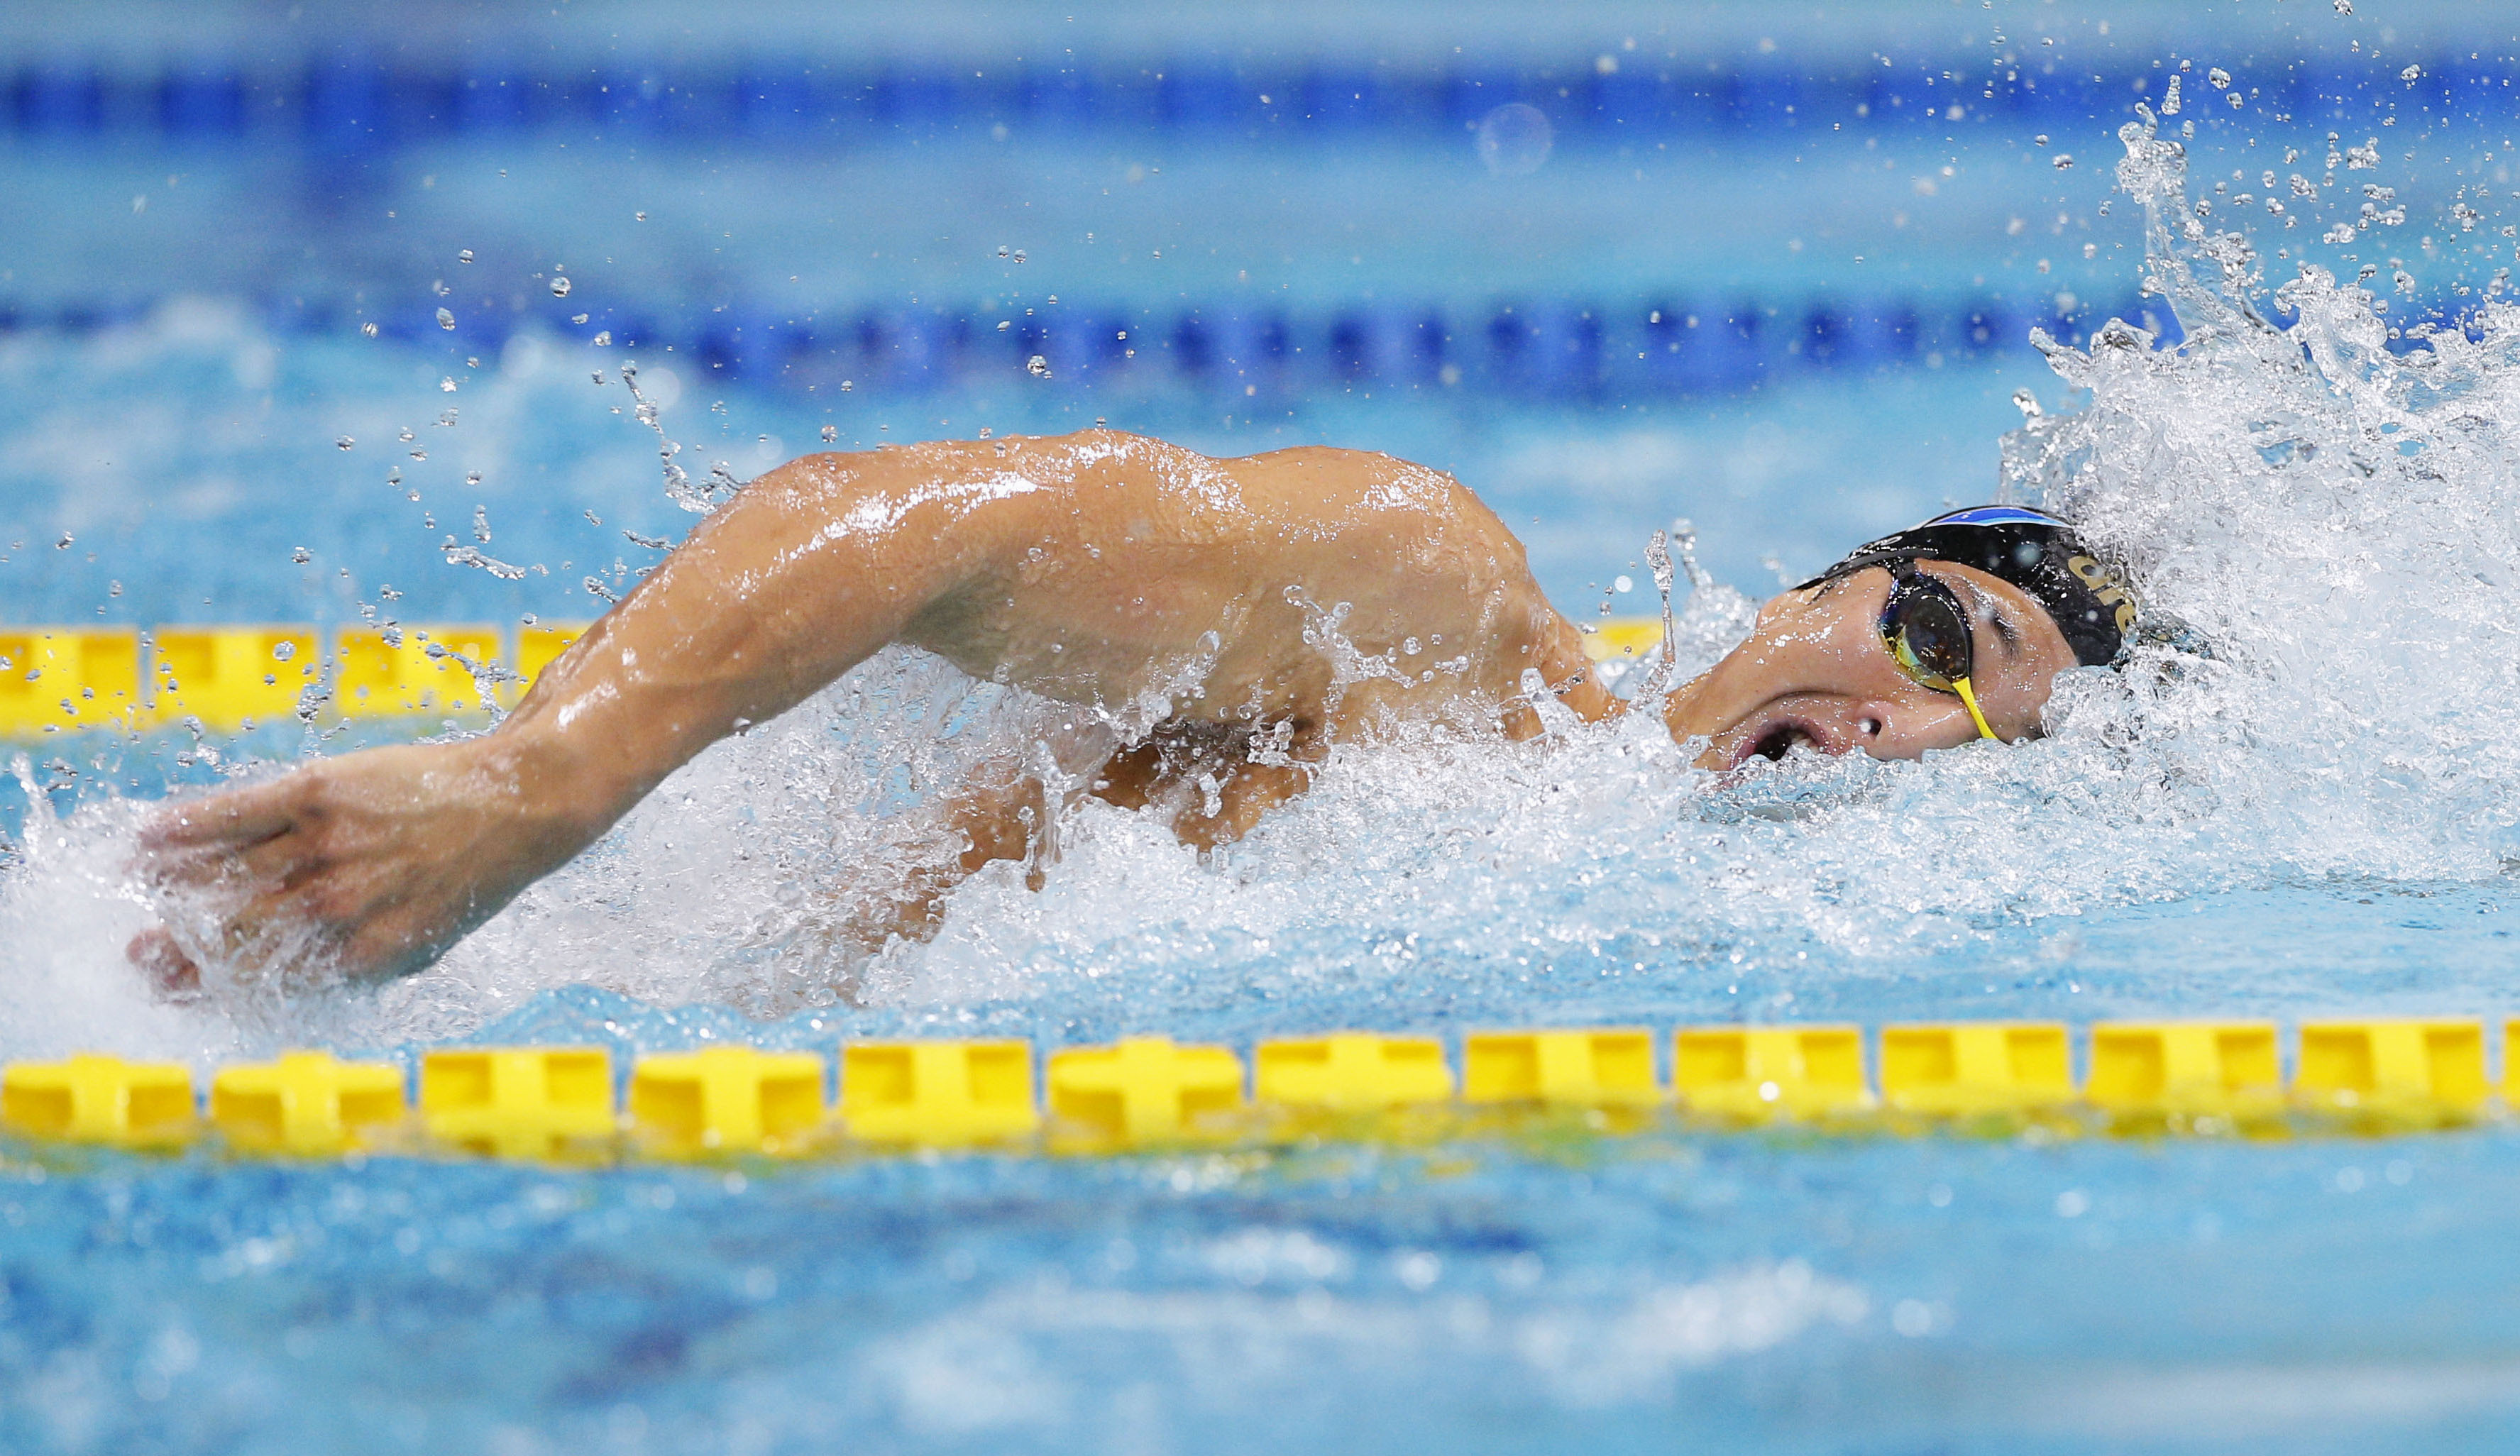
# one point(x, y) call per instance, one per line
point(1770, 268)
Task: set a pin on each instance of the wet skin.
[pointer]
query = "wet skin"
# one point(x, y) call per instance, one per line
point(1100, 568)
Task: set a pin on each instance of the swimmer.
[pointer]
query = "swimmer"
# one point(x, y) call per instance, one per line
point(1102, 569)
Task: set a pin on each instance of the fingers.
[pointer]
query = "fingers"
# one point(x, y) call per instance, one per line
point(226, 821)
point(159, 961)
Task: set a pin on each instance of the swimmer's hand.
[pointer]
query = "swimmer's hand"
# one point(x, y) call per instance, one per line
point(366, 866)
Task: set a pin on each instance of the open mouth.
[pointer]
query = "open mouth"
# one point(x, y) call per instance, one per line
point(1778, 741)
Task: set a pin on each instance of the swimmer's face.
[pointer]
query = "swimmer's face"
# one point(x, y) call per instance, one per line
point(1815, 672)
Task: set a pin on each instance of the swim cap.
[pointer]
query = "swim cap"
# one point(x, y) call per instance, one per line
point(2039, 552)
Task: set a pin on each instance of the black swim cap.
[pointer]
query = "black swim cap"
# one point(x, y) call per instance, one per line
point(2040, 553)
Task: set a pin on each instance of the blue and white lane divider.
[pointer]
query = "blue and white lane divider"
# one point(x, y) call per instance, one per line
point(1666, 346)
point(352, 102)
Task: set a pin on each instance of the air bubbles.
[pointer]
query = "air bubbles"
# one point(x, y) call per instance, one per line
point(2411, 74)
point(559, 286)
point(1038, 366)
point(64, 544)
point(598, 376)
point(343, 443)
point(830, 434)
point(2219, 78)
point(406, 434)
point(847, 384)
point(370, 329)
point(463, 255)
point(577, 317)
point(637, 217)
point(446, 386)
point(604, 339)
point(446, 320)
point(1514, 140)
point(2065, 162)
point(301, 555)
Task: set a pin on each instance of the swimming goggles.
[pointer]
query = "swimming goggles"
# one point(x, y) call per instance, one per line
point(1927, 632)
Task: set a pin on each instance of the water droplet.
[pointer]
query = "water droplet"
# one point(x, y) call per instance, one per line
point(464, 256)
point(637, 217)
point(847, 384)
point(577, 317)
point(1623, 584)
point(1002, 250)
point(2345, 7)
point(370, 329)
point(559, 288)
point(418, 454)
point(604, 337)
point(1039, 367)
point(282, 650)
point(114, 588)
point(446, 386)
point(2411, 74)
point(472, 477)
point(446, 320)
point(64, 544)
point(1514, 140)
point(301, 555)
point(2064, 160)
point(1019, 254)
point(830, 434)
point(1005, 324)
point(344, 443)
point(405, 435)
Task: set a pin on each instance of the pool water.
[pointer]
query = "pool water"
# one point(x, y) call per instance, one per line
point(2316, 814)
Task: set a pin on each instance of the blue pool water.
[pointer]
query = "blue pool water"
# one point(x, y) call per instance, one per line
point(2323, 820)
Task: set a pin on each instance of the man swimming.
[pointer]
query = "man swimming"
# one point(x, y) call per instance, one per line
point(1175, 593)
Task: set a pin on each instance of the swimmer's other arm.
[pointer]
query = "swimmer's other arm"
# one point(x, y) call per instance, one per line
point(1080, 566)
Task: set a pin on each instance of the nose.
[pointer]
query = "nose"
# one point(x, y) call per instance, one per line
point(1878, 727)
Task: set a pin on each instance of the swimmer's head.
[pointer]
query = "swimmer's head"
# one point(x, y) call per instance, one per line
point(1953, 631)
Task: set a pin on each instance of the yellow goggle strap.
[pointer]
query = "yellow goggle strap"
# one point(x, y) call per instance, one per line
point(1960, 686)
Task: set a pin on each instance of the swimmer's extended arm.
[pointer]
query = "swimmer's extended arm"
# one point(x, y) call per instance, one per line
point(999, 557)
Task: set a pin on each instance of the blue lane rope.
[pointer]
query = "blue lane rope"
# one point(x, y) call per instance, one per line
point(1569, 349)
point(349, 102)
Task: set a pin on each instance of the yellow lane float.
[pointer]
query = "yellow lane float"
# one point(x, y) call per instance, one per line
point(560, 1103)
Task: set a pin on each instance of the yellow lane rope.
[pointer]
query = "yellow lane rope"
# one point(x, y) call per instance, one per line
point(63, 678)
point(1149, 1093)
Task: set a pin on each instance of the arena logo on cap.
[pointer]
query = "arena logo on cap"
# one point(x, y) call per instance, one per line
point(2106, 587)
